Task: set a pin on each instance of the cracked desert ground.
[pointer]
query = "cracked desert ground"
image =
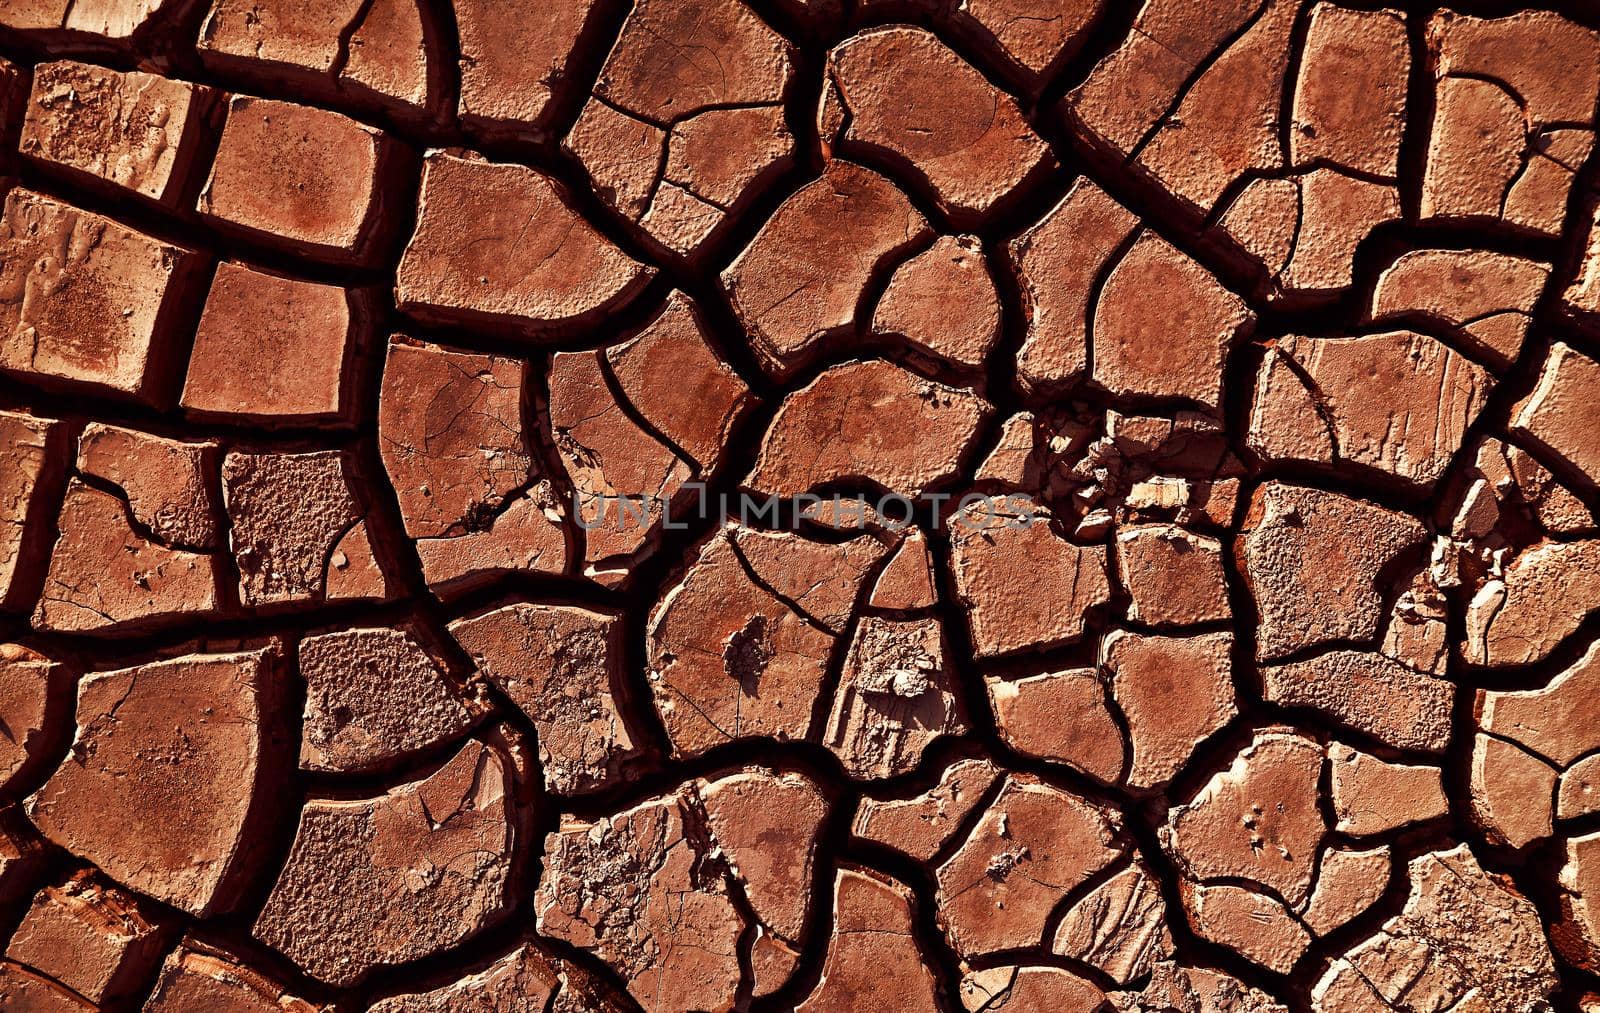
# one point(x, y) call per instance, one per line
point(1043, 506)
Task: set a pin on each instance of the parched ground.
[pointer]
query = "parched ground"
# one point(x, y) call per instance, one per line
point(820, 505)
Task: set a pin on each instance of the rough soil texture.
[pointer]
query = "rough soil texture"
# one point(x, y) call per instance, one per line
point(586, 506)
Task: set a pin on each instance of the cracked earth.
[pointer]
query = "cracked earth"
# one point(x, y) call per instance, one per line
point(1199, 611)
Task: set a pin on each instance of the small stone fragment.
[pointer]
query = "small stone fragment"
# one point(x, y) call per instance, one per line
point(992, 557)
point(131, 129)
point(373, 697)
point(303, 177)
point(871, 420)
point(896, 695)
point(907, 580)
point(498, 244)
point(292, 514)
point(1061, 717)
point(91, 937)
point(1372, 796)
point(1120, 926)
point(919, 826)
point(799, 280)
point(380, 881)
point(1517, 479)
point(1031, 848)
point(1174, 692)
point(873, 959)
point(86, 299)
point(270, 349)
point(1464, 937)
point(558, 664)
point(1417, 635)
point(944, 302)
point(1312, 559)
point(172, 774)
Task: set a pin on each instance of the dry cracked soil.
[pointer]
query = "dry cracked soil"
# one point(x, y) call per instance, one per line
point(1174, 437)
